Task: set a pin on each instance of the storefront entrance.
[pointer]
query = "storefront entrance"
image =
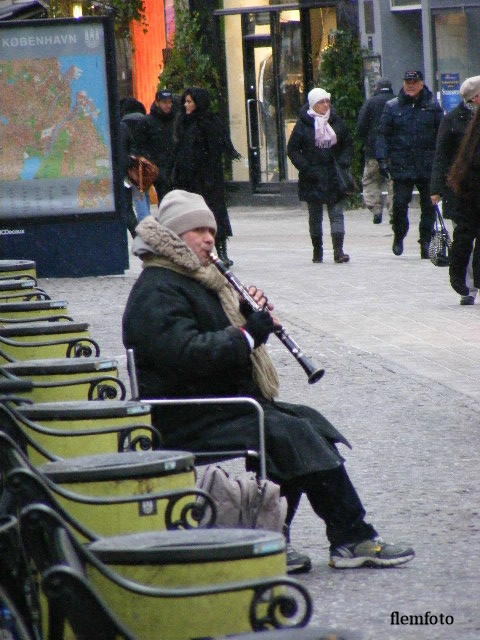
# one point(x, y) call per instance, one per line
point(272, 56)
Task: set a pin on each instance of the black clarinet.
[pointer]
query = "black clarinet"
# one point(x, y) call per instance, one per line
point(313, 373)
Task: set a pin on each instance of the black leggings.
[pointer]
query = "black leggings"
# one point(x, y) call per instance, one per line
point(334, 499)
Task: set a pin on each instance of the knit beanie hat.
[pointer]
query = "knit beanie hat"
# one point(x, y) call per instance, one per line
point(182, 211)
point(317, 94)
point(470, 88)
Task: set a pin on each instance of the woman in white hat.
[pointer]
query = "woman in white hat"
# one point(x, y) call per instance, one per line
point(319, 147)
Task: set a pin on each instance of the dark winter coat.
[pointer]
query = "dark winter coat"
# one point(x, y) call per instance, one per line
point(201, 141)
point(317, 180)
point(466, 234)
point(369, 119)
point(186, 347)
point(450, 134)
point(128, 135)
point(155, 140)
point(407, 135)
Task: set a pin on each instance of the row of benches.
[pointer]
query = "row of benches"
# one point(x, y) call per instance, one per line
point(99, 527)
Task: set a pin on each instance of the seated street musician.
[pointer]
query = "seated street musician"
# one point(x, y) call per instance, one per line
point(193, 337)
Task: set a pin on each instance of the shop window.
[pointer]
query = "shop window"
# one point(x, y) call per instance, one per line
point(369, 18)
point(323, 24)
point(456, 35)
point(400, 5)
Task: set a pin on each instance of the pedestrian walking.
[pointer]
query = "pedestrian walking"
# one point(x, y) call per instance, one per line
point(135, 202)
point(192, 337)
point(450, 134)
point(405, 148)
point(320, 145)
point(201, 142)
point(463, 178)
point(155, 138)
point(374, 183)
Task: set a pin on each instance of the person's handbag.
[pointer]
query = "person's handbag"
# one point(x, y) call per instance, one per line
point(440, 244)
point(142, 172)
point(345, 180)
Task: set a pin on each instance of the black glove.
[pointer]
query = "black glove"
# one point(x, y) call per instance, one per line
point(384, 169)
point(245, 309)
point(259, 325)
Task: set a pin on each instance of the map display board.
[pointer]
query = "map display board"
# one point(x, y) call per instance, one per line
point(55, 119)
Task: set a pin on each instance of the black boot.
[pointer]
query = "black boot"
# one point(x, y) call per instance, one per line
point(337, 242)
point(317, 244)
point(397, 246)
point(221, 247)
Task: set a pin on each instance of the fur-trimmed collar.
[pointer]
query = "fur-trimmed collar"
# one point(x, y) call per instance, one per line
point(152, 237)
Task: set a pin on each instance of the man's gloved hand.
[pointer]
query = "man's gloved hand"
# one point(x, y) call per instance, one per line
point(245, 309)
point(384, 169)
point(259, 325)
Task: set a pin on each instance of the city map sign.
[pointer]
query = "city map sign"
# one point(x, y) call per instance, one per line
point(55, 119)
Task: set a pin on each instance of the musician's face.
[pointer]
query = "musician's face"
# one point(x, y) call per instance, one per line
point(201, 241)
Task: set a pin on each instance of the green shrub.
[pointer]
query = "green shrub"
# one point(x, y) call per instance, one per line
point(189, 63)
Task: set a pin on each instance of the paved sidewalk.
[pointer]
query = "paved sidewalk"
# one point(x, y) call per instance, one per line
point(402, 362)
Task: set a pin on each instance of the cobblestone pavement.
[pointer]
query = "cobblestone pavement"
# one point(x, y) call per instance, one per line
point(402, 362)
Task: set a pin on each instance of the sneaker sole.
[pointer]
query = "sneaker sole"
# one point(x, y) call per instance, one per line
point(305, 567)
point(367, 561)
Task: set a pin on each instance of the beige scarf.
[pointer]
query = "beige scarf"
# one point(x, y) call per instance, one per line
point(166, 249)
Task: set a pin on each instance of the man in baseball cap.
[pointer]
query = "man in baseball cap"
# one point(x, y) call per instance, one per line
point(405, 148)
point(413, 76)
point(155, 138)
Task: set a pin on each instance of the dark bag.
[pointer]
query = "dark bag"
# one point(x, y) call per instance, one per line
point(142, 172)
point(440, 244)
point(346, 182)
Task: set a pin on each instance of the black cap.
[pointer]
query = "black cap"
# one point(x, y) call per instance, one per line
point(413, 76)
point(163, 94)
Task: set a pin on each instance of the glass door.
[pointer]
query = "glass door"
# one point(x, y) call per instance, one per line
point(273, 57)
point(273, 73)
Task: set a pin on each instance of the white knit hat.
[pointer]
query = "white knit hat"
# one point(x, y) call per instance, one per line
point(470, 88)
point(182, 211)
point(317, 94)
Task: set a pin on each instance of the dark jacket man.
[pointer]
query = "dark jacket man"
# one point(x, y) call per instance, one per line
point(155, 138)
point(191, 338)
point(450, 134)
point(404, 148)
point(369, 116)
point(407, 134)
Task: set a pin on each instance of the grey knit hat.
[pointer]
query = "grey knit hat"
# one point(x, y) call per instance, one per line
point(470, 88)
point(182, 211)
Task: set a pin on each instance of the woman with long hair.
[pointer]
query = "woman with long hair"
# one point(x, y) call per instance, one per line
point(464, 179)
point(201, 142)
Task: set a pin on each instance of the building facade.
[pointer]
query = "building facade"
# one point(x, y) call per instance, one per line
point(439, 37)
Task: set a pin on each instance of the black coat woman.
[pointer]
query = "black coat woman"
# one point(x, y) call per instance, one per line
point(321, 147)
point(450, 135)
point(463, 178)
point(201, 142)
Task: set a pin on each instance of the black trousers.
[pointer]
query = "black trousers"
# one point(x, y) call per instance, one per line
point(334, 499)
point(402, 195)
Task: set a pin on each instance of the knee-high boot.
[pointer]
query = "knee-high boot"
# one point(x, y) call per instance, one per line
point(221, 247)
point(317, 244)
point(337, 242)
